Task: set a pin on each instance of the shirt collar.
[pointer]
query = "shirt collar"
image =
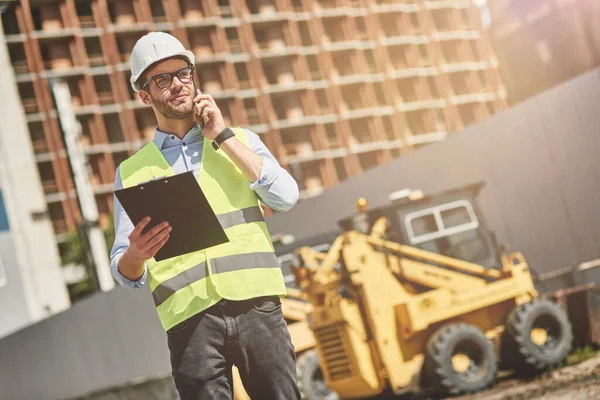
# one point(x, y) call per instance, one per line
point(160, 136)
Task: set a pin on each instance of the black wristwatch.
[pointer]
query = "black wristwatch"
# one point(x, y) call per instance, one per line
point(223, 136)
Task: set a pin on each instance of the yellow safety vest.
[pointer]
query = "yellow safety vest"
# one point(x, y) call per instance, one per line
point(244, 268)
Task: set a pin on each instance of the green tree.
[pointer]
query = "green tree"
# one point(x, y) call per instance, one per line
point(76, 254)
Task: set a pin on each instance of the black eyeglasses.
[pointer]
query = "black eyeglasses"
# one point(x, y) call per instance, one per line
point(163, 81)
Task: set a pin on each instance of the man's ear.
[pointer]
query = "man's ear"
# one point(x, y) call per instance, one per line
point(145, 96)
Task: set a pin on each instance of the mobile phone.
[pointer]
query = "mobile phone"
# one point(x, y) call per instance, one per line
point(202, 117)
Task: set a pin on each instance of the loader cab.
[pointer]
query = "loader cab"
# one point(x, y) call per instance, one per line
point(448, 223)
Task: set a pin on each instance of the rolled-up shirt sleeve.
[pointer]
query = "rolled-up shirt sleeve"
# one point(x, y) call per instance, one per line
point(123, 227)
point(275, 186)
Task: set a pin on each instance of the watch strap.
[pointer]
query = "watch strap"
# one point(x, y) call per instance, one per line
point(223, 136)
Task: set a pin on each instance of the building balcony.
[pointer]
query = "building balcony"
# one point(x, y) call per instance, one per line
point(198, 23)
point(25, 77)
point(395, 7)
point(97, 109)
point(37, 117)
point(412, 72)
point(103, 148)
point(367, 112)
point(62, 72)
point(235, 58)
point(352, 79)
point(403, 39)
point(291, 86)
point(134, 27)
point(358, 148)
point(301, 16)
point(349, 45)
point(259, 128)
point(247, 93)
point(420, 105)
point(229, 22)
point(340, 12)
point(425, 138)
point(463, 34)
point(294, 122)
point(223, 94)
point(134, 104)
point(63, 33)
point(329, 118)
point(42, 154)
point(299, 148)
point(91, 32)
point(103, 188)
point(315, 155)
point(15, 38)
point(464, 66)
point(474, 98)
point(317, 84)
point(274, 16)
point(308, 50)
point(437, 4)
point(274, 47)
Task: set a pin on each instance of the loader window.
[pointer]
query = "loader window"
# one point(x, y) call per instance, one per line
point(450, 229)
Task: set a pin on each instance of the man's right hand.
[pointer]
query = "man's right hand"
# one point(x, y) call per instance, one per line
point(142, 247)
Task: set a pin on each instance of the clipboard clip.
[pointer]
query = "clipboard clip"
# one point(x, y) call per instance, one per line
point(155, 178)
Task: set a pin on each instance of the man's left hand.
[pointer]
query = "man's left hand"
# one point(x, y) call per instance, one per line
point(208, 115)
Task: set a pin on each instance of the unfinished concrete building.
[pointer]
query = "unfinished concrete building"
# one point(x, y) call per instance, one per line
point(542, 43)
point(334, 86)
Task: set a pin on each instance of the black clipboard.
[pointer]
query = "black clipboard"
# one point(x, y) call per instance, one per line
point(179, 200)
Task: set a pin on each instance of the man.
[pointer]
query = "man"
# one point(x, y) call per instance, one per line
point(220, 307)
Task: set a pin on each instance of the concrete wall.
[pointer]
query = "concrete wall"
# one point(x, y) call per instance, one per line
point(539, 159)
point(159, 389)
point(110, 340)
point(35, 256)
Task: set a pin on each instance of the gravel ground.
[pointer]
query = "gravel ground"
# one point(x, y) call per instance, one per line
point(576, 382)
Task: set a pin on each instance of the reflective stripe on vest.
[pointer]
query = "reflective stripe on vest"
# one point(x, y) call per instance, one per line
point(220, 265)
point(243, 268)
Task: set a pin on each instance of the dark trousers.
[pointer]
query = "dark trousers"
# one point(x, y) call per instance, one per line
point(252, 335)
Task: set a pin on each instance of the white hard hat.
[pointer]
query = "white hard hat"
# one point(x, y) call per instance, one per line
point(153, 47)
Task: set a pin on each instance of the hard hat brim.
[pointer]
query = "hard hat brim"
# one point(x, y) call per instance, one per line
point(186, 53)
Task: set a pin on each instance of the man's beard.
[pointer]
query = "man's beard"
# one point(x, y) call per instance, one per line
point(169, 111)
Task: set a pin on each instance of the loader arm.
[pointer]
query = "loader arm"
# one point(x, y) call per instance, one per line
point(376, 239)
point(319, 267)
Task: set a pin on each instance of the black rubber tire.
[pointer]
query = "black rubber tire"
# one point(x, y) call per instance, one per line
point(450, 340)
point(519, 352)
point(310, 378)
